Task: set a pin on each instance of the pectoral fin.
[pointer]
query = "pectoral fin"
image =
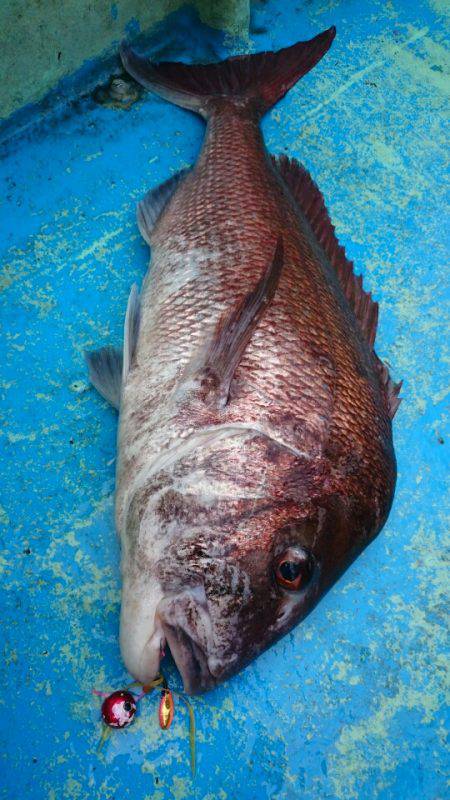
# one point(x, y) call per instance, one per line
point(108, 367)
point(105, 373)
point(131, 329)
point(235, 330)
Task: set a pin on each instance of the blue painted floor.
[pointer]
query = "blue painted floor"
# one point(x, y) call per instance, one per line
point(351, 704)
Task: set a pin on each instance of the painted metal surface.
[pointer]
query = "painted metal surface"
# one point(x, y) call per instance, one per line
point(351, 704)
point(44, 42)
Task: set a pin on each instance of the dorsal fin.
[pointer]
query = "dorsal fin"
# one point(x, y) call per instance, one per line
point(310, 199)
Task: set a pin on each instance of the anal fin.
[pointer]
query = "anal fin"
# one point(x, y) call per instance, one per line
point(154, 202)
point(235, 329)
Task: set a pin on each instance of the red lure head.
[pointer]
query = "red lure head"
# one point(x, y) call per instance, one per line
point(118, 709)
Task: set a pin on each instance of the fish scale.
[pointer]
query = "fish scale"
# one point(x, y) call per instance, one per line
point(255, 456)
point(278, 334)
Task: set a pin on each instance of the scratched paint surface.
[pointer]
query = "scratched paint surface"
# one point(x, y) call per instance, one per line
point(352, 703)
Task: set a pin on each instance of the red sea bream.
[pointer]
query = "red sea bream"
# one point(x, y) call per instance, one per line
point(255, 456)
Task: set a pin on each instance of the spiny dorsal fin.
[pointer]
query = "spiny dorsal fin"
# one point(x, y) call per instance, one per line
point(310, 199)
point(235, 330)
point(152, 205)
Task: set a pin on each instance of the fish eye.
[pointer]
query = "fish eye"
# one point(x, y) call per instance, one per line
point(294, 570)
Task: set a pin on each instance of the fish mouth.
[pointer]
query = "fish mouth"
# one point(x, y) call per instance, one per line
point(183, 623)
point(190, 660)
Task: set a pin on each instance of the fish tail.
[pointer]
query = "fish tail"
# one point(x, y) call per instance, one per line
point(258, 80)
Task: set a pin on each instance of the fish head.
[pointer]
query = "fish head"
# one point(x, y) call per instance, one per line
point(222, 558)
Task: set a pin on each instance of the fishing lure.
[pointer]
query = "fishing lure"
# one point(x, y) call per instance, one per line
point(118, 710)
point(166, 709)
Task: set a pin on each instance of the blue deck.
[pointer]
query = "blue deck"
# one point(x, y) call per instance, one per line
point(349, 705)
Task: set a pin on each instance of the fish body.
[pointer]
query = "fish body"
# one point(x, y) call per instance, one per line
point(255, 456)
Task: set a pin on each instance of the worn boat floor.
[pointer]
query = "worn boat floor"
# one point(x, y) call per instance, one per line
point(349, 705)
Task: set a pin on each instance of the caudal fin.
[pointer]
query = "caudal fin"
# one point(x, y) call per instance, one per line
point(258, 80)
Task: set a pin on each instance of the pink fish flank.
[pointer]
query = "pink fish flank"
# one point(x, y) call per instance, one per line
point(255, 456)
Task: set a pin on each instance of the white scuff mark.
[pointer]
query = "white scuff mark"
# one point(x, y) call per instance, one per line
point(98, 244)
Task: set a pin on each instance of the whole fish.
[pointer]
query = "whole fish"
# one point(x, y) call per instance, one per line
point(255, 456)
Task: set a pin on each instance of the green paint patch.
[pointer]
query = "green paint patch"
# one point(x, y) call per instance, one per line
point(35, 63)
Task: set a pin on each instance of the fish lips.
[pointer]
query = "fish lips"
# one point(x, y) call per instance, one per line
point(191, 660)
point(187, 628)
